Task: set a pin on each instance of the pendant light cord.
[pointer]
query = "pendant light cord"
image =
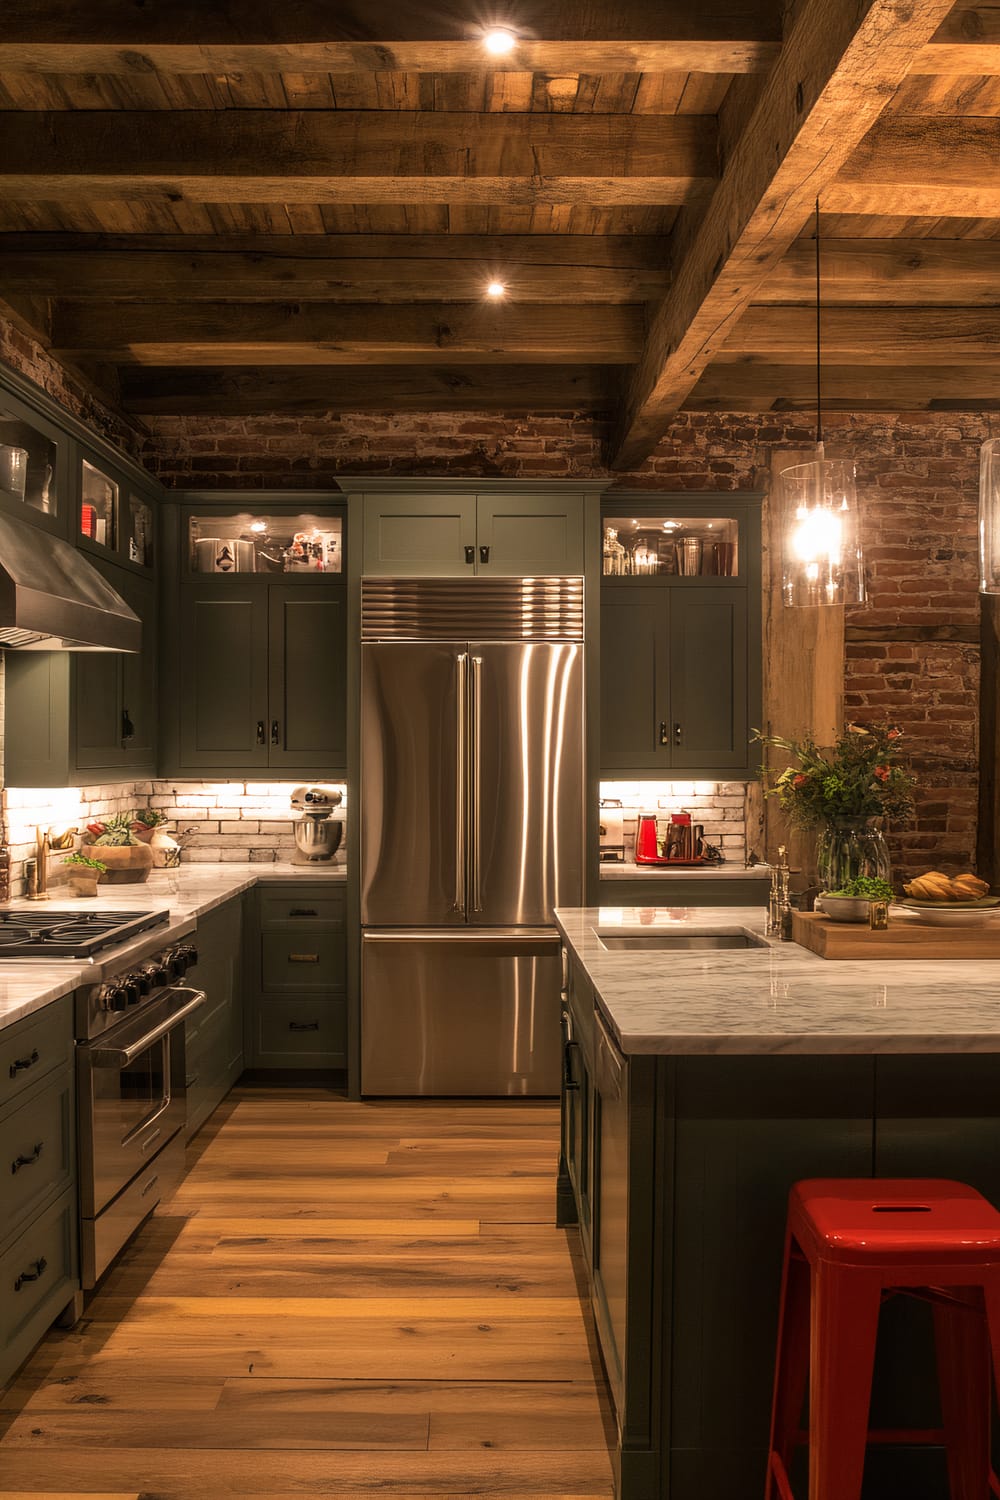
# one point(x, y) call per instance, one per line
point(819, 388)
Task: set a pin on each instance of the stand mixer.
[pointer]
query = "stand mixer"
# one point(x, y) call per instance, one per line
point(317, 835)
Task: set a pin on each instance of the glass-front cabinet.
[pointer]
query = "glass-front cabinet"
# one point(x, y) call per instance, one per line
point(31, 460)
point(266, 542)
point(98, 505)
point(139, 542)
point(674, 544)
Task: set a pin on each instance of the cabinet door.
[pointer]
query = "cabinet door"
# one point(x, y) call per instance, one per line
point(519, 535)
point(414, 535)
point(634, 679)
point(708, 678)
point(115, 693)
point(307, 664)
point(139, 676)
point(223, 677)
point(99, 711)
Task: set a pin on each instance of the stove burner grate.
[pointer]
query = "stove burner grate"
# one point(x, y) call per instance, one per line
point(70, 934)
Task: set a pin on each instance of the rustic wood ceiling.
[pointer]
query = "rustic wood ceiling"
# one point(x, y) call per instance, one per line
point(221, 208)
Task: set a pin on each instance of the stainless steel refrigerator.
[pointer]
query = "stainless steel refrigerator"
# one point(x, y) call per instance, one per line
point(472, 817)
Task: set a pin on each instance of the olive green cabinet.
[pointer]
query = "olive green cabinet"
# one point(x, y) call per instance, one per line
point(298, 959)
point(214, 1034)
point(680, 650)
point(39, 1267)
point(76, 717)
point(499, 534)
point(260, 678)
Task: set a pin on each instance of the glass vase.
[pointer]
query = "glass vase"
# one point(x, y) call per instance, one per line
point(848, 848)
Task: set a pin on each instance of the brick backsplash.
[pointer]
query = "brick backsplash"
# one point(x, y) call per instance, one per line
point(237, 821)
point(720, 806)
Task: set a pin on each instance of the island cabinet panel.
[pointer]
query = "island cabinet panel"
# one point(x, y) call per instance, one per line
point(677, 1169)
point(297, 973)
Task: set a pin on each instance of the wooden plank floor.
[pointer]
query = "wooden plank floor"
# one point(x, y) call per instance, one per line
point(341, 1300)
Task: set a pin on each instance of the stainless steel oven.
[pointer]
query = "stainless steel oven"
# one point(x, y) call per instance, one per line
point(131, 1098)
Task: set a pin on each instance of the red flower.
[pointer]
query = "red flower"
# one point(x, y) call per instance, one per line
point(799, 780)
point(883, 773)
point(894, 734)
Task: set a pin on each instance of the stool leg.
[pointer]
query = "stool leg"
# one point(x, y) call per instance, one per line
point(791, 1363)
point(845, 1311)
point(963, 1360)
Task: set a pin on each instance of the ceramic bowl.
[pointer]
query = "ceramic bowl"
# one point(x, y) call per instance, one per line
point(843, 908)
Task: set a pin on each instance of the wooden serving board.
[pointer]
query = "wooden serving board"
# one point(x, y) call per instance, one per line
point(904, 938)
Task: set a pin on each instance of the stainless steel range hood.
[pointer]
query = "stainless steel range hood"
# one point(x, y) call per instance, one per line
point(53, 599)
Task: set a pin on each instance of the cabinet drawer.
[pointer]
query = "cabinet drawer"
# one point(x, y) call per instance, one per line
point(307, 1033)
point(33, 1047)
point(37, 1279)
point(36, 1152)
point(302, 958)
point(327, 908)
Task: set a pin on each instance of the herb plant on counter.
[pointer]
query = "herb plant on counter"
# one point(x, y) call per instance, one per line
point(865, 888)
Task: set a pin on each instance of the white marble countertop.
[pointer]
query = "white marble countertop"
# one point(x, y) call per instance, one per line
point(780, 998)
point(28, 984)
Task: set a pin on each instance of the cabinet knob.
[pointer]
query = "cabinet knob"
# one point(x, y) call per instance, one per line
point(470, 555)
point(678, 734)
point(664, 736)
point(260, 732)
point(128, 728)
point(484, 554)
point(274, 732)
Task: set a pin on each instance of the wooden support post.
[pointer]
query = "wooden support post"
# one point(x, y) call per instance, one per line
point(803, 674)
point(988, 839)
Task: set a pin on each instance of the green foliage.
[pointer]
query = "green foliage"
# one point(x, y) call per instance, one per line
point(83, 861)
point(149, 817)
point(860, 777)
point(117, 831)
point(867, 887)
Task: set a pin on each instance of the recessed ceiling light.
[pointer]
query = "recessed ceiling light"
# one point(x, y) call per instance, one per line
point(496, 289)
point(499, 41)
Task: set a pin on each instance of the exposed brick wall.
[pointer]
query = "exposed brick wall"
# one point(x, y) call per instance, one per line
point(917, 475)
point(28, 358)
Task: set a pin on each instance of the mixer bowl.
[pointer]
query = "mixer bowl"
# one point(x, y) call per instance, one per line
point(318, 838)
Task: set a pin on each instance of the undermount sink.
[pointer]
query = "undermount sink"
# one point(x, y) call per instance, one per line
point(673, 942)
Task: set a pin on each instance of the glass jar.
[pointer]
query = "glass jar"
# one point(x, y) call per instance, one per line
point(614, 554)
point(848, 848)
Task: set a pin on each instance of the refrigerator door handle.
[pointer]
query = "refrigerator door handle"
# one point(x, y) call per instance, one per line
point(461, 759)
point(477, 740)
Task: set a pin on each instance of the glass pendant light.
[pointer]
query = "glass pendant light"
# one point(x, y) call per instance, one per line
point(822, 561)
point(989, 517)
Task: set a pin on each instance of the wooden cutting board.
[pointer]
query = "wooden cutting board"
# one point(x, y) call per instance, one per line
point(904, 938)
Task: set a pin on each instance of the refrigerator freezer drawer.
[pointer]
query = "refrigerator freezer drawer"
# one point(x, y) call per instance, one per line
point(449, 1014)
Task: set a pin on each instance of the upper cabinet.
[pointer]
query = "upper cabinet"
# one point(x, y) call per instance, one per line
point(500, 533)
point(255, 644)
point(680, 635)
point(33, 464)
point(116, 519)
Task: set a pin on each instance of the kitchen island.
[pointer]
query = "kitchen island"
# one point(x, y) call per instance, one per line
point(699, 1084)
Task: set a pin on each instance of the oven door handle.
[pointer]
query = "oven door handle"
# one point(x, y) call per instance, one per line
point(122, 1057)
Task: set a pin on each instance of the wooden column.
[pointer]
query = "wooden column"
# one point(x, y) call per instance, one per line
point(803, 675)
point(988, 839)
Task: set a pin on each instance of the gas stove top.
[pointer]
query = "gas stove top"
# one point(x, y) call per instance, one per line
point(55, 933)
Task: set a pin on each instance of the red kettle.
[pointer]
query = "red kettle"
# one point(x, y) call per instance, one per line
point(645, 838)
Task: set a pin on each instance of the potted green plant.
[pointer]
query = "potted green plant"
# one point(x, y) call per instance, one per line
point(126, 859)
point(83, 873)
point(851, 902)
point(145, 822)
point(846, 793)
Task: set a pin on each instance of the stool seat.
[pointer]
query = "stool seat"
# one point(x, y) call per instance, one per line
point(893, 1220)
point(849, 1243)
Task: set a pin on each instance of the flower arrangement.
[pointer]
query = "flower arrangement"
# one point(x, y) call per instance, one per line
point(115, 832)
point(859, 778)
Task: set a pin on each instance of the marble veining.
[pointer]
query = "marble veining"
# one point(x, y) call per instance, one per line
point(29, 984)
point(777, 998)
point(629, 870)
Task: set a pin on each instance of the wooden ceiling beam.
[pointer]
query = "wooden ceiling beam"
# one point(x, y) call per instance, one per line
point(855, 387)
point(866, 335)
point(335, 268)
point(313, 36)
point(896, 272)
point(355, 156)
point(165, 333)
point(967, 43)
point(248, 392)
point(838, 67)
point(910, 165)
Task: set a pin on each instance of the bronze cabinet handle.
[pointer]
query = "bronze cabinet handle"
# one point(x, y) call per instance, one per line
point(26, 1161)
point(20, 1063)
point(260, 732)
point(274, 732)
point(303, 1025)
point(303, 958)
point(39, 1265)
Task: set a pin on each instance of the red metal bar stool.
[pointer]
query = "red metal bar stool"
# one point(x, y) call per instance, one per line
point(849, 1243)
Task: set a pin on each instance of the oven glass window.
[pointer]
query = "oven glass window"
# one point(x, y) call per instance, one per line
point(129, 1098)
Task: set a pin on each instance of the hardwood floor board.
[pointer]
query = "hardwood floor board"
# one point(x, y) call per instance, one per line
point(541, 1430)
point(172, 1474)
point(527, 1200)
point(178, 1312)
point(141, 1392)
point(576, 1401)
point(231, 1429)
point(248, 1228)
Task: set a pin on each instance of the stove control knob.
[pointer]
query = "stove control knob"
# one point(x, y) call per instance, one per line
point(142, 981)
point(130, 984)
point(191, 954)
point(157, 972)
point(114, 996)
